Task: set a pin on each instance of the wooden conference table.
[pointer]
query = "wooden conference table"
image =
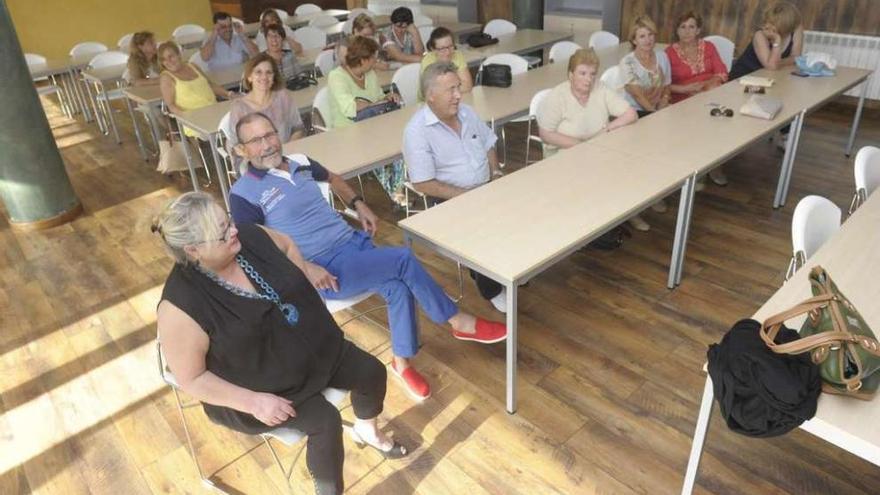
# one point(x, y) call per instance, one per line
point(683, 138)
point(852, 259)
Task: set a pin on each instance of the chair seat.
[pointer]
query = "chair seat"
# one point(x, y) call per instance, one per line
point(335, 305)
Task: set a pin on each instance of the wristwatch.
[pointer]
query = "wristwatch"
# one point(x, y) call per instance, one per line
point(354, 200)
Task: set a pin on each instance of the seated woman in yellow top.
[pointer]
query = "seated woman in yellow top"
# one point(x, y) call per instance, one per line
point(441, 48)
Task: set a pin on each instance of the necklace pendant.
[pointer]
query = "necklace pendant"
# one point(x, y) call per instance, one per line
point(291, 314)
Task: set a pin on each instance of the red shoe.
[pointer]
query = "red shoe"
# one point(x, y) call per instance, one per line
point(487, 332)
point(413, 382)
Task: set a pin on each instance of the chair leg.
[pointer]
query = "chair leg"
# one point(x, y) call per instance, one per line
point(528, 141)
point(189, 443)
point(204, 161)
point(284, 472)
point(460, 285)
point(503, 146)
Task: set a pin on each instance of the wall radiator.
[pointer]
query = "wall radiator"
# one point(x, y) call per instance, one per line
point(851, 51)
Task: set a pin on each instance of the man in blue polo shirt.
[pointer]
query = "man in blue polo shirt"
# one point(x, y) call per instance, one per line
point(282, 193)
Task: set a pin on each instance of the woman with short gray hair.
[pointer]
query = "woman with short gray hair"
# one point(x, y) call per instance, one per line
point(245, 332)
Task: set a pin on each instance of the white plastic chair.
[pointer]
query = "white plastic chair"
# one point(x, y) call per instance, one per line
point(321, 109)
point(867, 174)
point(498, 27)
point(421, 20)
point(725, 48)
point(196, 58)
point(611, 78)
point(353, 13)
point(815, 220)
point(186, 30)
point(323, 21)
point(306, 9)
point(602, 39)
point(288, 436)
point(561, 51)
point(283, 15)
point(109, 59)
point(534, 106)
point(223, 136)
point(124, 43)
point(33, 60)
point(310, 37)
point(325, 62)
point(406, 79)
point(425, 33)
point(87, 49)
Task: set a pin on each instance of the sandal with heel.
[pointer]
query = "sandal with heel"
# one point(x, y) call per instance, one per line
point(396, 451)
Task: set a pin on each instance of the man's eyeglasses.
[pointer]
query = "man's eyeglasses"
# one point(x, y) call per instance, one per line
point(269, 137)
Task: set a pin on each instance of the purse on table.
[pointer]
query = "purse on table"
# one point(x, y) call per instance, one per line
point(481, 39)
point(496, 75)
point(761, 106)
point(836, 336)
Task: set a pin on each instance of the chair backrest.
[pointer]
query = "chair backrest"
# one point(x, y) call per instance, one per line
point(815, 220)
point(310, 37)
point(535, 105)
point(353, 13)
point(867, 169)
point(325, 62)
point(724, 47)
point(611, 78)
point(601, 39)
point(124, 42)
point(306, 9)
point(108, 59)
point(321, 106)
point(561, 51)
point(518, 65)
point(34, 59)
point(323, 21)
point(186, 30)
point(406, 79)
point(425, 33)
point(87, 49)
point(282, 14)
point(196, 58)
point(497, 27)
point(422, 20)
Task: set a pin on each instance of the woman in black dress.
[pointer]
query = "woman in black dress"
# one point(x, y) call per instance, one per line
point(245, 332)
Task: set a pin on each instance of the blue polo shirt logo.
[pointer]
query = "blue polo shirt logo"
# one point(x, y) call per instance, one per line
point(270, 198)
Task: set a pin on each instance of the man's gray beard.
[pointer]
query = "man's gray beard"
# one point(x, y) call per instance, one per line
point(263, 165)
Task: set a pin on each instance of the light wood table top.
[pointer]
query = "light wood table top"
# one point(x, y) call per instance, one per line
point(517, 232)
point(687, 133)
point(52, 67)
point(522, 41)
point(852, 259)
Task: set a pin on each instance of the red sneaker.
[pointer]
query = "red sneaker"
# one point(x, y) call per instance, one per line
point(413, 382)
point(487, 332)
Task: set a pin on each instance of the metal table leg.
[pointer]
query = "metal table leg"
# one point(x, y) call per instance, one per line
point(189, 158)
point(702, 427)
point(682, 227)
point(93, 100)
point(221, 170)
point(150, 111)
point(511, 348)
point(787, 161)
point(857, 118)
point(78, 89)
point(137, 130)
point(790, 170)
point(110, 113)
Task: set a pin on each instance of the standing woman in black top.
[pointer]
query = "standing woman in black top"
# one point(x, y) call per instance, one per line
point(245, 332)
point(779, 41)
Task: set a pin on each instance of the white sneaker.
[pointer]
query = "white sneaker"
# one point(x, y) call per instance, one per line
point(700, 185)
point(500, 301)
point(659, 206)
point(781, 140)
point(638, 223)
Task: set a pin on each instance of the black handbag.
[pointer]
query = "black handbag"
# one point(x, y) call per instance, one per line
point(481, 39)
point(301, 81)
point(374, 110)
point(496, 75)
point(611, 240)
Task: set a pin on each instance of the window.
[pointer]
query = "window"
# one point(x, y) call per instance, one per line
point(592, 8)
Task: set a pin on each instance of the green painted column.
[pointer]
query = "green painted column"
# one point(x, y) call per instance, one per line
point(528, 14)
point(33, 182)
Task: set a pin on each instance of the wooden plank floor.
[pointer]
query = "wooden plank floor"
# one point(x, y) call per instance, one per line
point(610, 359)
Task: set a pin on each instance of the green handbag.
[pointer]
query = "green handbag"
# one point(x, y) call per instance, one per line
point(837, 337)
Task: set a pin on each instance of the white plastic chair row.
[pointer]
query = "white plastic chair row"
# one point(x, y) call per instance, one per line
point(323, 21)
point(561, 51)
point(602, 39)
point(867, 175)
point(815, 220)
point(306, 9)
point(186, 30)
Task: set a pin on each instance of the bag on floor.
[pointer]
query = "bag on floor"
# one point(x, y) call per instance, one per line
point(836, 337)
point(171, 157)
point(612, 239)
point(761, 393)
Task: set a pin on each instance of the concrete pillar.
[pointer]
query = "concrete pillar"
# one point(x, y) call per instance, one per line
point(528, 14)
point(34, 185)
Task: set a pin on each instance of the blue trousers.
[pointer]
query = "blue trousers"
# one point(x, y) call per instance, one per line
point(396, 275)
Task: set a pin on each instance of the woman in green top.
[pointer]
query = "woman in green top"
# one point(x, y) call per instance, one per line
point(353, 86)
point(441, 48)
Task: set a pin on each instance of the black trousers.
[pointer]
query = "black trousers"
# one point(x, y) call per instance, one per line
point(488, 288)
point(365, 376)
